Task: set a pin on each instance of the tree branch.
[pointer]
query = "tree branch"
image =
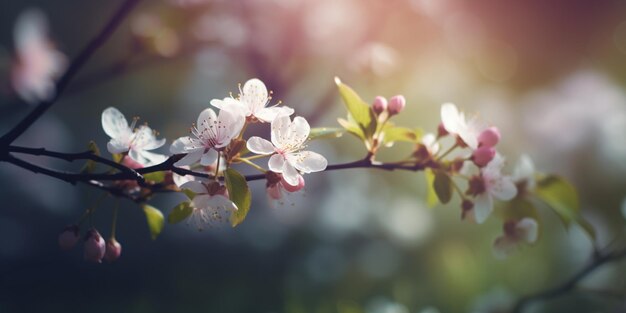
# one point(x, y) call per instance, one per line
point(598, 261)
point(72, 70)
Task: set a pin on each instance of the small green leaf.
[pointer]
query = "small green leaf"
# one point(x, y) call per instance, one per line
point(156, 177)
point(239, 193)
point(190, 194)
point(443, 186)
point(431, 195)
point(117, 157)
point(180, 213)
point(396, 133)
point(155, 220)
point(351, 127)
point(358, 109)
point(560, 196)
point(325, 132)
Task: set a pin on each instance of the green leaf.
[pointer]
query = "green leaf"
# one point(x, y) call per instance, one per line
point(117, 157)
point(90, 165)
point(397, 133)
point(351, 127)
point(155, 220)
point(325, 132)
point(560, 196)
point(358, 109)
point(443, 186)
point(156, 177)
point(239, 193)
point(431, 196)
point(180, 213)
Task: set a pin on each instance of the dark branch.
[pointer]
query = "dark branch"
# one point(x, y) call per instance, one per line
point(571, 283)
point(73, 69)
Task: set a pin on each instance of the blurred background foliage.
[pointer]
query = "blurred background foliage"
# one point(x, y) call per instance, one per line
point(550, 74)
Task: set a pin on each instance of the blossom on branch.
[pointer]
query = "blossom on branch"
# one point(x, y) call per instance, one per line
point(126, 138)
point(212, 133)
point(288, 140)
point(210, 203)
point(38, 63)
point(516, 232)
point(455, 123)
point(488, 184)
point(252, 102)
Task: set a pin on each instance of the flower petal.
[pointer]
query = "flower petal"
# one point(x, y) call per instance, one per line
point(254, 94)
point(114, 124)
point(483, 206)
point(206, 118)
point(153, 158)
point(269, 114)
point(503, 189)
point(195, 186)
point(276, 163)
point(191, 158)
point(450, 118)
point(259, 145)
point(307, 161)
point(115, 146)
point(300, 130)
point(290, 174)
point(209, 157)
point(280, 130)
point(528, 229)
point(229, 126)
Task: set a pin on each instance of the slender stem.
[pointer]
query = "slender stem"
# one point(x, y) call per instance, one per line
point(254, 157)
point(217, 166)
point(260, 169)
point(571, 283)
point(447, 152)
point(80, 60)
point(114, 222)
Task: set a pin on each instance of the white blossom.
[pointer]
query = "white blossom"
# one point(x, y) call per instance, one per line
point(211, 133)
point(491, 183)
point(126, 138)
point(525, 230)
point(288, 140)
point(210, 204)
point(252, 102)
point(456, 124)
point(38, 62)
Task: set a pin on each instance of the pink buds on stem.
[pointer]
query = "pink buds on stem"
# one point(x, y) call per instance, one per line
point(396, 105)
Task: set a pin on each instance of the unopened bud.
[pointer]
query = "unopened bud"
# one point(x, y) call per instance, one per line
point(379, 105)
point(489, 137)
point(69, 237)
point(295, 188)
point(273, 192)
point(483, 155)
point(113, 250)
point(396, 104)
point(94, 246)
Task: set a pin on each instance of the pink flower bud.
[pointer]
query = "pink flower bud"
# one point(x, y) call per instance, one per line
point(273, 192)
point(291, 188)
point(396, 104)
point(69, 237)
point(441, 130)
point(113, 250)
point(94, 246)
point(489, 137)
point(379, 105)
point(483, 155)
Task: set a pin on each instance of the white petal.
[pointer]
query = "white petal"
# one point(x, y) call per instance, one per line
point(30, 27)
point(528, 229)
point(290, 174)
point(276, 163)
point(483, 206)
point(195, 186)
point(280, 130)
point(307, 161)
point(137, 157)
point(145, 139)
point(209, 157)
point(115, 146)
point(503, 246)
point(229, 126)
point(190, 158)
point(525, 171)
point(503, 189)
point(254, 94)
point(259, 145)
point(269, 114)
point(201, 201)
point(300, 130)
point(206, 118)
point(153, 158)
point(450, 118)
point(114, 124)
point(223, 202)
point(181, 145)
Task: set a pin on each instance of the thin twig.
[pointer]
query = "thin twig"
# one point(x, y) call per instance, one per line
point(571, 283)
